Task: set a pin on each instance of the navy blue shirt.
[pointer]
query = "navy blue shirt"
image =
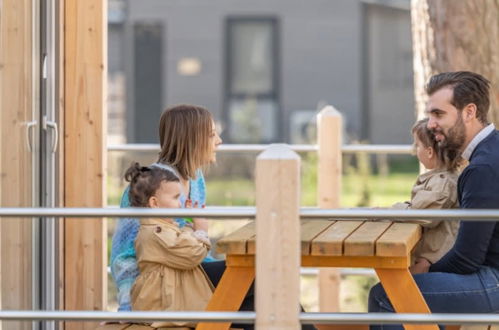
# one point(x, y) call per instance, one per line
point(477, 243)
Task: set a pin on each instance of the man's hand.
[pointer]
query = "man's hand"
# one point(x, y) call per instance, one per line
point(422, 265)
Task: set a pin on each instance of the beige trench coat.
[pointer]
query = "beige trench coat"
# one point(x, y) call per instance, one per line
point(436, 189)
point(171, 277)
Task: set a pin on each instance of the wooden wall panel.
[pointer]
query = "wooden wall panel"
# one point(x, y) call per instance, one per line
point(85, 154)
point(16, 164)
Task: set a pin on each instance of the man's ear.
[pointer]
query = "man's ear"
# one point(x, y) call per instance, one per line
point(469, 112)
point(153, 202)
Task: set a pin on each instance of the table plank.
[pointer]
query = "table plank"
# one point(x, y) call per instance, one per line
point(362, 242)
point(330, 241)
point(236, 242)
point(398, 240)
point(309, 230)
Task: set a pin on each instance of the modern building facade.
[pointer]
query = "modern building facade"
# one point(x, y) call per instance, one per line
point(263, 67)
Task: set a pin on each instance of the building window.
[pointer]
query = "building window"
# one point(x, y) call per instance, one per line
point(251, 90)
point(147, 81)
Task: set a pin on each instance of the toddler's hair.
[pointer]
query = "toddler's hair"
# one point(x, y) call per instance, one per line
point(450, 158)
point(145, 180)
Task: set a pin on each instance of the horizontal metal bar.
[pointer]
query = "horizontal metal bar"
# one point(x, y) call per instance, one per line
point(240, 317)
point(250, 212)
point(401, 149)
point(233, 148)
point(217, 213)
point(249, 317)
point(381, 214)
point(406, 318)
point(309, 271)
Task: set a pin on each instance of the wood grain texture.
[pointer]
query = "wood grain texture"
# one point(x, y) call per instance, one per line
point(309, 229)
point(362, 242)
point(236, 242)
point(398, 240)
point(229, 294)
point(330, 242)
point(329, 140)
point(329, 125)
point(399, 285)
point(332, 261)
point(278, 238)
point(85, 59)
point(18, 99)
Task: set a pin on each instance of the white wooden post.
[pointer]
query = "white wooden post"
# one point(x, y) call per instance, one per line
point(329, 127)
point(277, 238)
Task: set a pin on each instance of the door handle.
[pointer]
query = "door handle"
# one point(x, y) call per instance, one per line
point(29, 128)
point(53, 126)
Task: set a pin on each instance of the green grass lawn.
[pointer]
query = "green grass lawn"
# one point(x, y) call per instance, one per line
point(382, 191)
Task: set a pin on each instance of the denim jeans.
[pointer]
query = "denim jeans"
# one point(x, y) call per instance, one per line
point(447, 293)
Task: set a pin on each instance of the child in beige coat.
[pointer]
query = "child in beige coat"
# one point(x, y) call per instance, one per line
point(169, 258)
point(435, 189)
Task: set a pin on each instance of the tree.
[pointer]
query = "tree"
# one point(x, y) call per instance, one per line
point(451, 35)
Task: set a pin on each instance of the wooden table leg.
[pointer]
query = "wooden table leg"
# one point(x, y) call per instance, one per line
point(404, 294)
point(229, 294)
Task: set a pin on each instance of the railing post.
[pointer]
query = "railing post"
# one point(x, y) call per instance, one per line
point(277, 238)
point(329, 131)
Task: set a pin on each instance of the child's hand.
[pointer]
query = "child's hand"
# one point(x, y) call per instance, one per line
point(200, 223)
point(188, 204)
point(422, 265)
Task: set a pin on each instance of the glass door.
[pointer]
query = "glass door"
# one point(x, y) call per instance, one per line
point(19, 156)
point(48, 151)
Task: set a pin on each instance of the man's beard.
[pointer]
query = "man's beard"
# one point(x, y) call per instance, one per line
point(455, 137)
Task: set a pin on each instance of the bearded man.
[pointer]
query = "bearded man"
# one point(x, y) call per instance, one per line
point(466, 279)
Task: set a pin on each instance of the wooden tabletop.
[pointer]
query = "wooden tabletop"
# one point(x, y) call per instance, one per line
point(336, 238)
point(383, 245)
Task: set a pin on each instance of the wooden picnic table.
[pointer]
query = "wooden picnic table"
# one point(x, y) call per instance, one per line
point(383, 245)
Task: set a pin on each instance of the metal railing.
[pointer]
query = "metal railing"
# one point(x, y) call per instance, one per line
point(218, 213)
point(230, 148)
point(249, 317)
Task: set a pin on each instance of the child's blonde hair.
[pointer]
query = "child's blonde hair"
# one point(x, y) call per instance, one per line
point(184, 134)
point(448, 157)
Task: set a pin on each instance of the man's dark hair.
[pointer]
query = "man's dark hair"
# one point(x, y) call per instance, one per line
point(468, 87)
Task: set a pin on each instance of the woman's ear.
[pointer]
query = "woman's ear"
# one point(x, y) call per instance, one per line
point(153, 202)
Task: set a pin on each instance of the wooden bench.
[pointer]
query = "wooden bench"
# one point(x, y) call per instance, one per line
point(383, 245)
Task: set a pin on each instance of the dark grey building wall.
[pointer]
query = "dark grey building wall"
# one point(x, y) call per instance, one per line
point(321, 53)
